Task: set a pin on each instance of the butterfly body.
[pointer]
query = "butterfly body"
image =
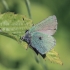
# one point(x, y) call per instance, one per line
point(39, 37)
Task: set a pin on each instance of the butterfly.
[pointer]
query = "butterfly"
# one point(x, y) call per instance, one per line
point(40, 38)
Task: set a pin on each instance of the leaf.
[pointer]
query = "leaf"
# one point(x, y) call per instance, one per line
point(14, 24)
point(53, 56)
point(8, 35)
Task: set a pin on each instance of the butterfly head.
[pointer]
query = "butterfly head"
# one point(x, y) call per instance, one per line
point(27, 37)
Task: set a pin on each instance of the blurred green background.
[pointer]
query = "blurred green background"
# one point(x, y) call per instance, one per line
point(15, 57)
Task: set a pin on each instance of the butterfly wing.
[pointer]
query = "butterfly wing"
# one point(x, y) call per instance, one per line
point(42, 42)
point(47, 26)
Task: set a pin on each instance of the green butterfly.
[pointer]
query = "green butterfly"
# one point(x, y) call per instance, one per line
point(39, 37)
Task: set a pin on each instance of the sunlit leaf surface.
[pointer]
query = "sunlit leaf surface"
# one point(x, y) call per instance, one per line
point(53, 56)
point(14, 24)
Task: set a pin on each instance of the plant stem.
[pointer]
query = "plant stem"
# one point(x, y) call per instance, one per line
point(5, 4)
point(28, 8)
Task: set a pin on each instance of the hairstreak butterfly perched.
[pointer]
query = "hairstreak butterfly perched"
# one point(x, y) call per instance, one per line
point(39, 37)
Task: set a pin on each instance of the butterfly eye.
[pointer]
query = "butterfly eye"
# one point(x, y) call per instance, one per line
point(40, 38)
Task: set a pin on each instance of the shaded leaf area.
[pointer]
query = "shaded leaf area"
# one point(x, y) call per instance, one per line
point(14, 24)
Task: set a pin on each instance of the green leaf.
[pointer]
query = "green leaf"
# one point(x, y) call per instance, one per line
point(14, 24)
point(9, 35)
point(54, 57)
